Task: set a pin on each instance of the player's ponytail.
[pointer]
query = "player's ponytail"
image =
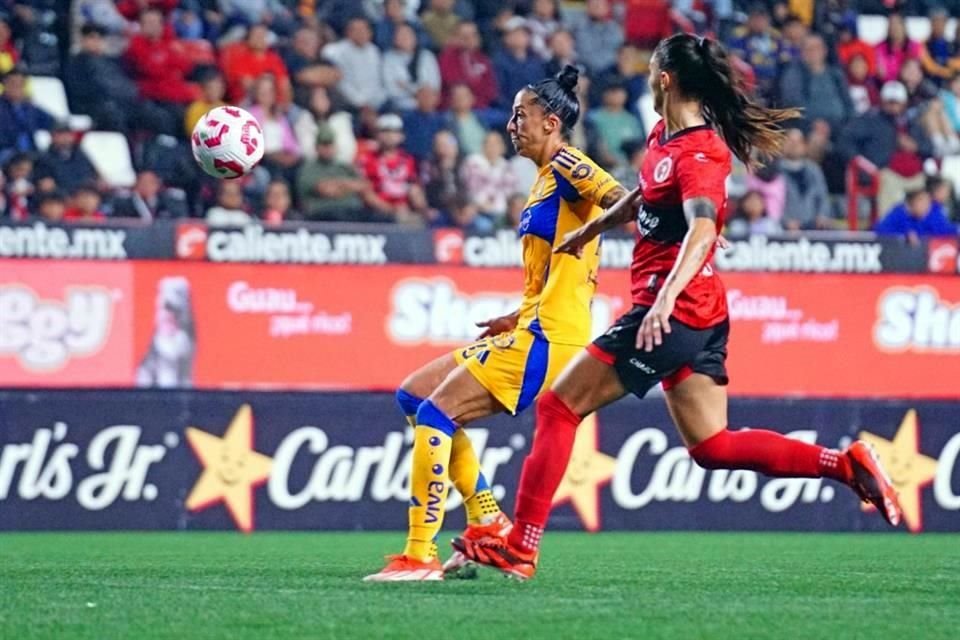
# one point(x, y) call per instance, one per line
point(703, 71)
point(558, 95)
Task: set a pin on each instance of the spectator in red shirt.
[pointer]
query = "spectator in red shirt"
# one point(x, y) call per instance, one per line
point(159, 64)
point(85, 205)
point(130, 9)
point(849, 45)
point(8, 52)
point(244, 62)
point(397, 196)
point(463, 62)
point(647, 22)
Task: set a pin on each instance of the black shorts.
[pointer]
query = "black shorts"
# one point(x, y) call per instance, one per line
point(684, 351)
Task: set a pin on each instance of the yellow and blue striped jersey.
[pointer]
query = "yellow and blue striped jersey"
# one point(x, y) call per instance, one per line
point(558, 287)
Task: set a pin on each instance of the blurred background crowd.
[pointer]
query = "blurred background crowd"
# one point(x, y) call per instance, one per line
point(393, 111)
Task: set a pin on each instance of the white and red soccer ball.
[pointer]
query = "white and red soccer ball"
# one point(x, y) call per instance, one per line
point(227, 142)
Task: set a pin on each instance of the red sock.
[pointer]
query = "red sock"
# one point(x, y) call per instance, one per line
point(543, 469)
point(772, 454)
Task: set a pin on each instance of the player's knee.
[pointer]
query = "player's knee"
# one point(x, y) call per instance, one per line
point(429, 415)
point(714, 452)
point(408, 402)
point(552, 411)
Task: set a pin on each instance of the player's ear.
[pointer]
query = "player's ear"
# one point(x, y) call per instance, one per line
point(666, 81)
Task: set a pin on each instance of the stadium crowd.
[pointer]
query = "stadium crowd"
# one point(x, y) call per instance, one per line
point(394, 110)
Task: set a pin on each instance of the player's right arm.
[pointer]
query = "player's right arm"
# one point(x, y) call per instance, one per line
point(622, 209)
point(502, 324)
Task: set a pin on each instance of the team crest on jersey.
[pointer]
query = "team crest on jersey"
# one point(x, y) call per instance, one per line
point(662, 171)
point(581, 171)
point(503, 341)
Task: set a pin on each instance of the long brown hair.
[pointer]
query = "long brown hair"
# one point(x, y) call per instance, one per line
point(703, 72)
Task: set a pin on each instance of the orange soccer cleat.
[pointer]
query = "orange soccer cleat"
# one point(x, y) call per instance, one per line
point(401, 568)
point(457, 565)
point(497, 552)
point(871, 482)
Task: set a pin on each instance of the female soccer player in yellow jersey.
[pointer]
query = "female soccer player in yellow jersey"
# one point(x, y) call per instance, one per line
point(520, 354)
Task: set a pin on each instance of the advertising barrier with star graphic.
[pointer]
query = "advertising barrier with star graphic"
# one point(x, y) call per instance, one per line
point(249, 461)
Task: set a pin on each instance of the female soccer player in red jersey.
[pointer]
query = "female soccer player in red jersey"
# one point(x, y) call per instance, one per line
point(676, 332)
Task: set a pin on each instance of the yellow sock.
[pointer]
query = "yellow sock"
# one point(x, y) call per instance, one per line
point(428, 489)
point(468, 479)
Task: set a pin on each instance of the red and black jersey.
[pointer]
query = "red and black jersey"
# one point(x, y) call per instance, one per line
point(693, 163)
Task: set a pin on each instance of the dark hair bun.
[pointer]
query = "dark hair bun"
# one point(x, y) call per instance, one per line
point(567, 78)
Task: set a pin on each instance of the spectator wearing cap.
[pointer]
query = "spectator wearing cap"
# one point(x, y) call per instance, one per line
point(816, 86)
point(849, 45)
point(395, 15)
point(149, 201)
point(898, 47)
point(423, 123)
point(597, 32)
point(440, 21)
point(463, 62)
point(328, 189)
point(488, 180)
point(939, 54)
point(515, 63)
point(392, 173)
point(281, 151)
point(758, 44)
point(19, 118)
point(306, 66)
point(543, 21)
point(614, 125)
point(917, 216)
point(807, 203)
point(319, 112)
point(160, 65)
point(97, 86)
point(85, 201)
point(244, 62)
point(407, 67)
point(9, 56)
point(64, 163)
point(891, 140)
point(213, 89)
point(360, 64)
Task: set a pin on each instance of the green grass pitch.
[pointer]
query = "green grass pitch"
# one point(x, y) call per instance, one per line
point(611, 586)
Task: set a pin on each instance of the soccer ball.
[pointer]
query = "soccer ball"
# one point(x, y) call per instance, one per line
point(227, 142)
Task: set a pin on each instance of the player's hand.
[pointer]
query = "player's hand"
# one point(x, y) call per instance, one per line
point(722, 243)
point(574, 242)
point(655, 323)
point(496, 326)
